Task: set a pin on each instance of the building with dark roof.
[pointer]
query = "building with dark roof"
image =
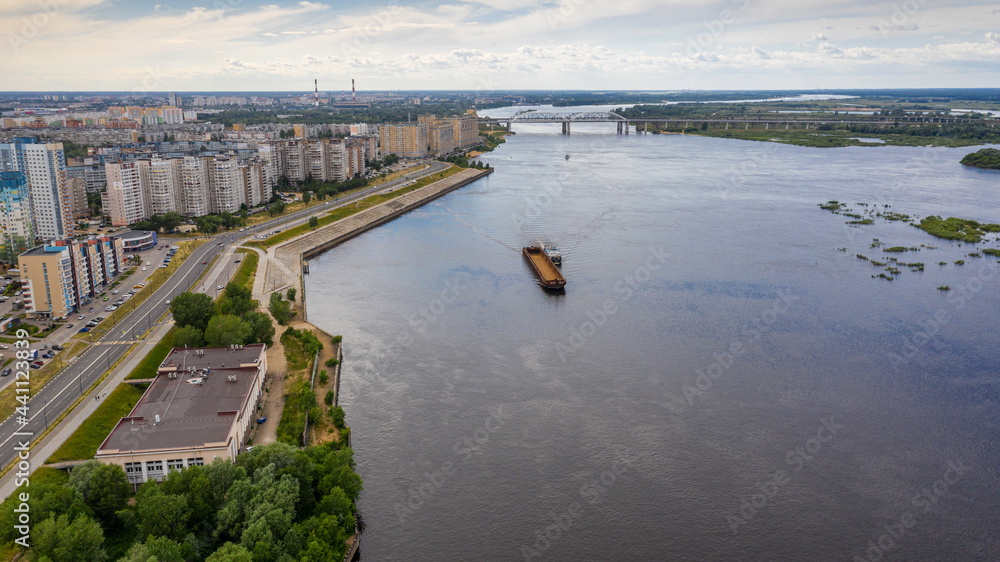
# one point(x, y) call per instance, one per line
point(199, 407)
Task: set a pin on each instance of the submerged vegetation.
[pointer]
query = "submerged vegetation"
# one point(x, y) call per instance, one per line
point(961, 230)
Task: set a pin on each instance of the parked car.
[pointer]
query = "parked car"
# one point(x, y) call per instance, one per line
point(37, 365)
point(114, 292)
point(58, 347)
point(6, 372)
point(221, 287)
point(4, 346)
point(83, 330)
point(262, 419)
point(43, 347)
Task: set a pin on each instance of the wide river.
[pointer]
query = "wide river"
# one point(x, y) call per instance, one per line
point(722, 380)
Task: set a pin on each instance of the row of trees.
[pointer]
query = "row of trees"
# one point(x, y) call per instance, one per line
point(280, 308)
point(234, 320)
point(274, 503)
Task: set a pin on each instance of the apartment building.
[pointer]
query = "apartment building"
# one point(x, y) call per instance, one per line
point(228, 192)
point(195, 199)
point(15, 216)
point(406, 140)
point(163, 192)
point(44, 168)
point(126, 198)
point(62, 276)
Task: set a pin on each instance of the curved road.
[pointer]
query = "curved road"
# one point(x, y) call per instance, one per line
point(62, 390)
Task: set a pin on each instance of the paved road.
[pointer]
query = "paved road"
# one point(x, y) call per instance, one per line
point(50, 402)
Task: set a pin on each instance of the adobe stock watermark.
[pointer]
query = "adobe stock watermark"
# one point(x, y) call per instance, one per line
point(566, 9)
point(705, 377)
point(464, 449)
point(798, 458)
point(556, 524)
point(697, 44)
point(377, 23)
point(624, 290)
point(890, 535)
point(31, 26)
point(929, 329)
point(900, 18)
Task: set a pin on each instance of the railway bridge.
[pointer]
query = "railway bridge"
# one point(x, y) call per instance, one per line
point(641, 124)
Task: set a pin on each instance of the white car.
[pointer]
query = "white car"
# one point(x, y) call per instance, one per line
point(114, 292)
point(80, 317)
point(144, 269)
point(147, 263)
point(220, 287)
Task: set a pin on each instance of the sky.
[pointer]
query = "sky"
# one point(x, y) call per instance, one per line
point(483, 45)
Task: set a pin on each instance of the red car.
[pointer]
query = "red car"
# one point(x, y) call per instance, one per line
point(204, 262)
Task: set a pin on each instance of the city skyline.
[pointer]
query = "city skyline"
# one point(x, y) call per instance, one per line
point(244, 45)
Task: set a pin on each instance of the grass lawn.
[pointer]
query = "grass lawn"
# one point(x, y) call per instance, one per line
point(146, 369)
point(88, 437)
point(356, 207)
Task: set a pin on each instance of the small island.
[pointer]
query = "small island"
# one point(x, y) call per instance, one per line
point(988, 158)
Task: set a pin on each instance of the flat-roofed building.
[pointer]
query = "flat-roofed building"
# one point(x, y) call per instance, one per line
point(406, 140)
point(47, 276)
point(199, 407)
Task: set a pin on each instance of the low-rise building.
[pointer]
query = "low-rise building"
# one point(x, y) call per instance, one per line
point(199, 407)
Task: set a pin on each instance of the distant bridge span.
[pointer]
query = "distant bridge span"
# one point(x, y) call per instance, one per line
point(624, 124)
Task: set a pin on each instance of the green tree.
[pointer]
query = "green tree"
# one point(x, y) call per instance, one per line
point(192, 309)
point(331, 362)
point(280, 309)
point(208, 224)
point(225, 329)
point(328, 399)
point(108, 492)
point(307, 197)
point(338, 416)
point(157, 549)
point(157, 513)
point(189, 336)
point(276, 208)
point(313, 222)
point(170, 221)
point(230, 552)
point(238, 300)
point(261, 328)
point(58, 539)
point(290, 294)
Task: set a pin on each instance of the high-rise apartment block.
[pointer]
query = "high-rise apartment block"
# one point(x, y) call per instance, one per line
point(126, 200)
point(15, 216)
point(44, 168)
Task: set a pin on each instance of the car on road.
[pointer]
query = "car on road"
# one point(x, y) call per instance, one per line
point(168, 301)
point(6, 372)
point(238, 261)
point(43, 347)
point(204, 262)
point(80, 317)
point(68, 326)
point(5, 346)
point(144, 268)
point(148, 263)
point(220, 287)
point(91, 309)
point(105, 299)
point(114, 292)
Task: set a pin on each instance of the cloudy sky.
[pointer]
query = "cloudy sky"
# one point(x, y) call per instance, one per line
point(191, 45)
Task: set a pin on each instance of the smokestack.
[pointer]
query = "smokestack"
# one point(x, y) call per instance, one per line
point(353, 97)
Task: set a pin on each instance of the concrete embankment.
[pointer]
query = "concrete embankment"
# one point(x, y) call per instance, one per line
point(322, 239)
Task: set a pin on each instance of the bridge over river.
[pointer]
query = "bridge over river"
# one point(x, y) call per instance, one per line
point(641, 124)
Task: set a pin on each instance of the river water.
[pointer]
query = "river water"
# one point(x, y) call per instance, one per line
point(718, 382)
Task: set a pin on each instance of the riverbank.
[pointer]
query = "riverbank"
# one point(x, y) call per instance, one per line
point(832, 138)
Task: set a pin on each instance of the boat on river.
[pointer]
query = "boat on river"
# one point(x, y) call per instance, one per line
point(546, 271)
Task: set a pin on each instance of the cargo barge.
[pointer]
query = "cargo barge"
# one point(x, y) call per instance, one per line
point(546, 271)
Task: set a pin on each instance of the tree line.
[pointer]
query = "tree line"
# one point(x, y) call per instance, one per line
point(275, 503)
